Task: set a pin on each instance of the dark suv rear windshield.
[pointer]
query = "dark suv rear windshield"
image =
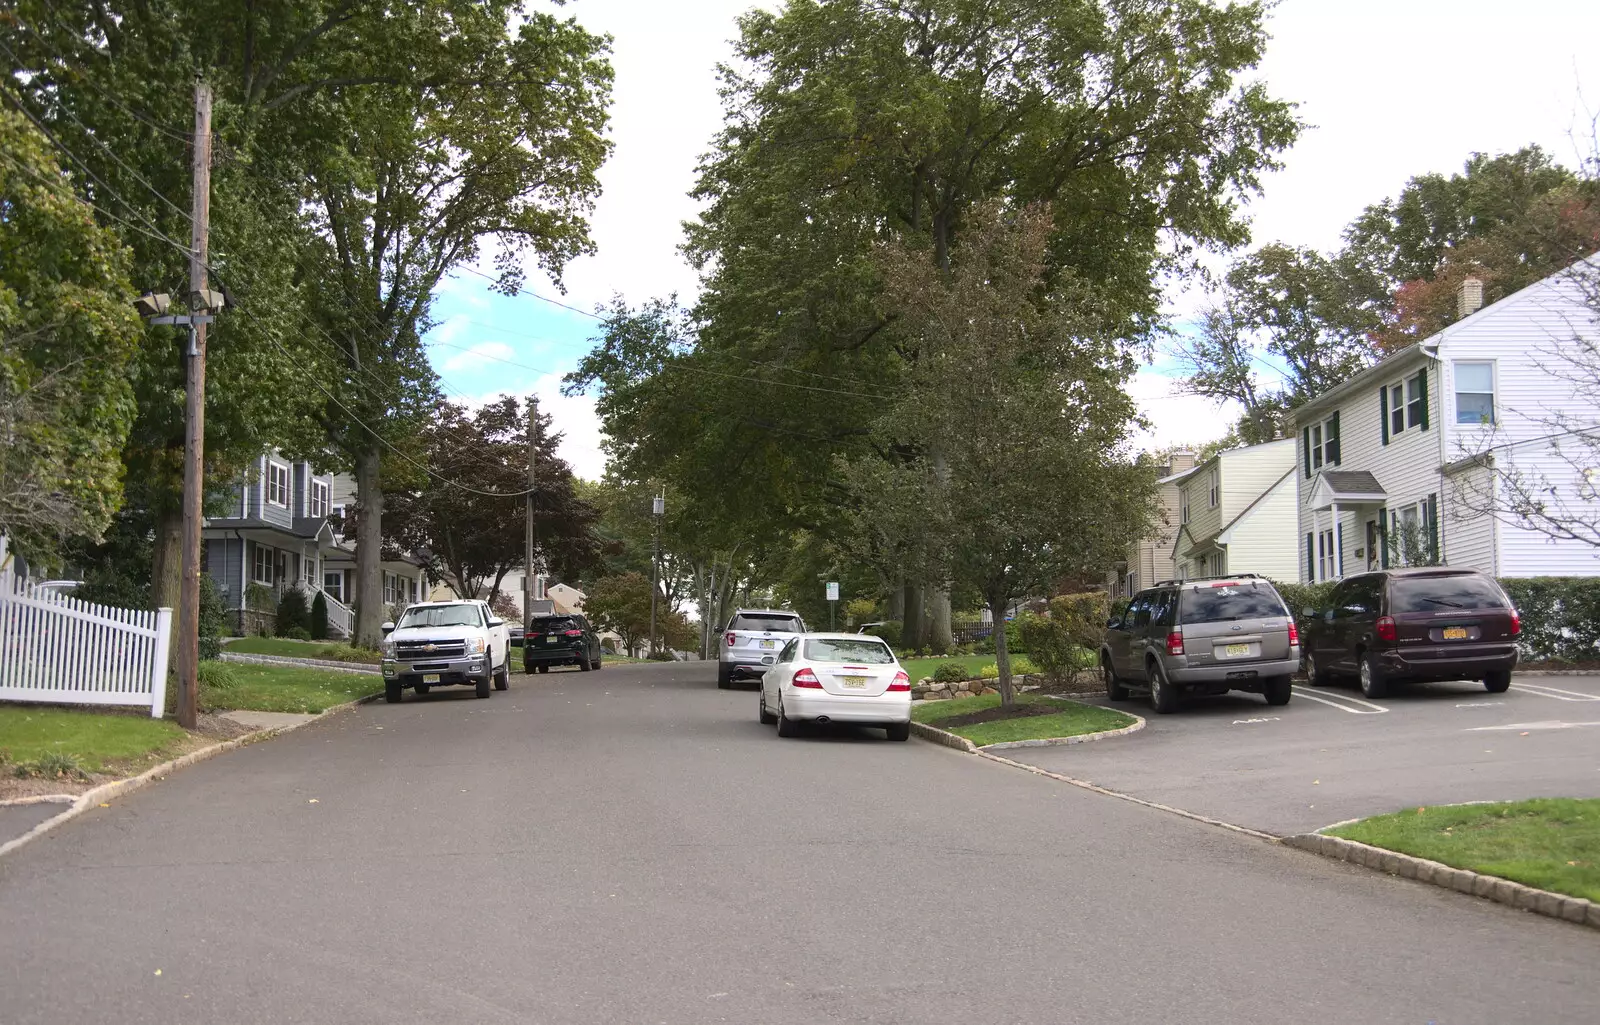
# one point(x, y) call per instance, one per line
point(1440, 594)
point(1219, 604)
point(776, 624)
point(553, 625)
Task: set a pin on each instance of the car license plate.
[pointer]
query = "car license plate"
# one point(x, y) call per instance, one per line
point(551, 640)
point(431, 678)
point(1455, 633)
point(769, 644)
point(856, 682)
point(1235, 650)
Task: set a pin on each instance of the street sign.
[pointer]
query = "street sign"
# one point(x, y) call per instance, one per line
point(833, 590)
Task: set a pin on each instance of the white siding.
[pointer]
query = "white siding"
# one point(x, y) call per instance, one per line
point(1469, 537)
point(1247, 473)
point(1262, 541)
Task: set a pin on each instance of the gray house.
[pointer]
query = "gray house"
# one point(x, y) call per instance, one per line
point(277, 534)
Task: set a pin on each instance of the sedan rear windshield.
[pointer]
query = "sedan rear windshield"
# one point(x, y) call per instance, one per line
point(558, 624)
point(441, 615)
point(774, 624)
point(1222, 604)
point(1440, 594)
point(832, 649)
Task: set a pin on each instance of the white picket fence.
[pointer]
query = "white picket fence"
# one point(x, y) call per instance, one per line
point(341, 617)
point(58, 649)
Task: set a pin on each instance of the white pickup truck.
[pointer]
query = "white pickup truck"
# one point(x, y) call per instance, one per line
point(446, 643)
point(751, 634)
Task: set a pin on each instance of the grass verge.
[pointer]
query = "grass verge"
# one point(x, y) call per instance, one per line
point(1072, 720)
point(239, 686)
point(921, 668)
point(56, 741)
point(1550, 843)
point(328, 651)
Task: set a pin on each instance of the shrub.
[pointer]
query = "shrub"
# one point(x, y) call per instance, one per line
point(213, 618)
point(294, 613)
point(1300, 597)
point(296, 633)
point(1075, 625)
point(951, 672)
point(889, 632)
point(217, 676)
point(1014, 642)
point(52, 765)
point(1560, 617)
point(319, 617)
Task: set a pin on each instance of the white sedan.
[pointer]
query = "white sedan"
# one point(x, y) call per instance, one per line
point(845, 678)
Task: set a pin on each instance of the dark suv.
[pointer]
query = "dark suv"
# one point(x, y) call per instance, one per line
point(1411, 625)
point(1206, 636)
point(560, 641)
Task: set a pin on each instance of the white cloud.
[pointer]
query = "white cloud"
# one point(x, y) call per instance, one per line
point(474, 357)
point(451, 329)
point(1176, 418)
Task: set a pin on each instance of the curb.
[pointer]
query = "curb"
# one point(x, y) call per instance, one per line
point(284, 660)
point(117, 788)
point(1474, 884)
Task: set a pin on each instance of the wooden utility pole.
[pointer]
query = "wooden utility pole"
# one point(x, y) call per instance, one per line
point(658, 508)
point(194, 430)
point(530, 570)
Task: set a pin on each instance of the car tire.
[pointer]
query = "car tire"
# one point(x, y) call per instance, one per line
point(766, 717)
point(1497, 683)
point(787, 727)
point(544, 669)
point(583, 664)
point(1115, 689)
point(1277, 690)
point(898, 730)
point(1316, 674)
point(422, 689)
point(724, 677)
point(597, 664)
point(1373, 683)
point(393, 692)
point(1163, 695)
point(482, 686)
point(502, 676)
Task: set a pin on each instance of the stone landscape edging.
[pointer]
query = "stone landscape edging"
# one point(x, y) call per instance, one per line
point(121, 787)
point(1576, 910)
point(288, 660)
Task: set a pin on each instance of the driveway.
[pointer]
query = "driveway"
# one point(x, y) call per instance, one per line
point(631, 846)
point(1332, 755)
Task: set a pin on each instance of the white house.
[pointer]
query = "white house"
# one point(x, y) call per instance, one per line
point(1149, 560)
point(1408, 459)
point(1236, 514)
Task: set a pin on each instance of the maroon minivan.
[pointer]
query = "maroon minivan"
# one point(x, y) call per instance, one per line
point(1401, 625)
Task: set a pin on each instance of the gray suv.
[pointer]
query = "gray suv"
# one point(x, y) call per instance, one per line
point(1206, 636)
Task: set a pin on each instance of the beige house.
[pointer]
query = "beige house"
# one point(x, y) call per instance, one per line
point(1237, 514)
point(1150, 561)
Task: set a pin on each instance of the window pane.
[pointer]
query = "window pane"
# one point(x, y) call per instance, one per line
point(1474, 409)
point(1442, 593)
point(1475, 377)
point(872, 652)
point(1211, 604)
point(770, 624)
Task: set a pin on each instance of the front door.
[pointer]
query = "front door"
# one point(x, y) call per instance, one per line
point(1373, 556)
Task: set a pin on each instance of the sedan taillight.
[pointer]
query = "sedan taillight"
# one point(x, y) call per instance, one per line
point(1175, 643)
point(901, 681)
point(1516, 623)
point(806, 678)
point(1386, 630)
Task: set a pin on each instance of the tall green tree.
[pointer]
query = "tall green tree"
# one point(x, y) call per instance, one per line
point(67, 334)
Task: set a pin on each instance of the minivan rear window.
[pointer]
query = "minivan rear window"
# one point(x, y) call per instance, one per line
point(775, 624)
point(1221, 604)
point(1443, 593)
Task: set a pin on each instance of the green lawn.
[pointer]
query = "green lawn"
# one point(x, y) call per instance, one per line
point(921, 668)
point(1072, 720)
point(328, 651)
point(30, 733)
point(1549, 843)
point(238, 686)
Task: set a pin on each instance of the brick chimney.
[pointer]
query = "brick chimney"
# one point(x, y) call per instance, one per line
point(1469, 297)
point(1179, 462)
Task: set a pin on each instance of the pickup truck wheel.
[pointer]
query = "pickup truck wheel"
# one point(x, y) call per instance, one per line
point(393, 692)
point(1277, 690)
point(724, 677)
point(502, 676)
point(482, 689)
point(1163, 695)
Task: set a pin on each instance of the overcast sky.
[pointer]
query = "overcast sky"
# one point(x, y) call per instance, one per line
point(1393, 88)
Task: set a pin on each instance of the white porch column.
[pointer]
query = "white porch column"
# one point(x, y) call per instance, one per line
point(1338, 544)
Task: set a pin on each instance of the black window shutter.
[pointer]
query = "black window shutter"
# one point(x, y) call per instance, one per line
point(1383, 411)
point(1433, 526)
point(1305, 446)
point(1422, 386)
point(1383, 538)
point(1338, 549)
point(1332, 445)
point(1311, 560)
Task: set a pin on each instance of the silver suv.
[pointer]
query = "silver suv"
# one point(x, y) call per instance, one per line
point(1206, 636)
point(751, 634)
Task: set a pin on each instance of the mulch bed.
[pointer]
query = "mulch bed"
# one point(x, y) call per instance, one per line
point(996, 714)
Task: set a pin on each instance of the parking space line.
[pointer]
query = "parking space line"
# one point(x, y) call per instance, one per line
point(1555, 692)
point(1554, 724)
point(1368, 707)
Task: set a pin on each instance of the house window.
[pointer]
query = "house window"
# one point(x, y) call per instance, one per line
point(1216, 487)
point(309, 566)
point(1183, 509)
point(263, 565)
point(1407, 402)
point(317, 500)
point(1474, 393)
point(278, 484)
point(1316, 446)
point(1327, 555)
point(389, 595)
point(1322, 441)
point(1414, 401)
point(333, 583)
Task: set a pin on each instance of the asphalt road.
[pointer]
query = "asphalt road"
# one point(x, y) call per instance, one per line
point(1331, 755)
point(632, 847)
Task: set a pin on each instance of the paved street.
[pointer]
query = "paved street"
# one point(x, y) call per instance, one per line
point(1332, 755)
point(631, 846)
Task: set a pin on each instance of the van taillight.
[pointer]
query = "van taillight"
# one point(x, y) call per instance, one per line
point(1175, 643)
point(1516, 623)
point(1386, 631)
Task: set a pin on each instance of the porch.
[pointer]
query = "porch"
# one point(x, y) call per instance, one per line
point(1338, 495)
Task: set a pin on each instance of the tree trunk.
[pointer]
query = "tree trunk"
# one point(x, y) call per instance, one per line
point(369, 551)
point(166, 575)
point(897, 603)
point(1002, 657)
point(940, 637)
point(911, 627)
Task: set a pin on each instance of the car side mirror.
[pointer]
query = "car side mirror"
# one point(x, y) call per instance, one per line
point(497, 622)
point(1328, 616)
point(1112, 624)
point(387, 628)
point(1308, 613)
point(768, 660)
